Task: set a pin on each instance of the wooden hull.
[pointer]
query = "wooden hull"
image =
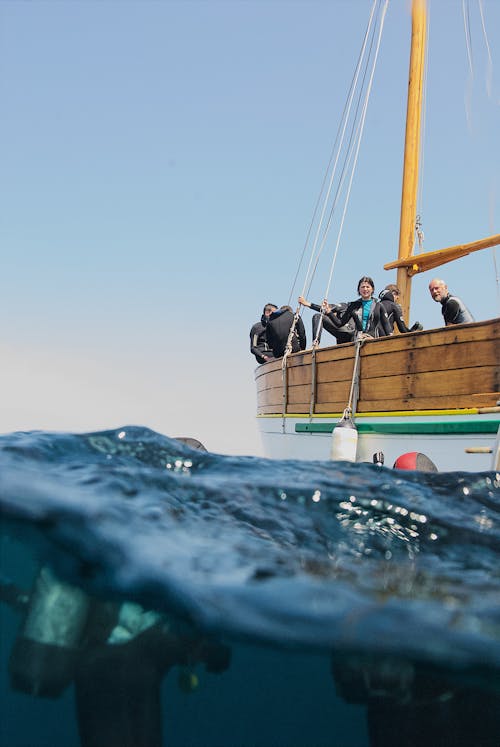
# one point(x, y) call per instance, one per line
point(435, 389)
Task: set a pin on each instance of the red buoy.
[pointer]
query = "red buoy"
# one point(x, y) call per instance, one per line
point(415, 460)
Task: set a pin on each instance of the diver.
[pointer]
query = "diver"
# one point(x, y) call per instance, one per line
point(258, 341)
point(278, 329)
point(389, 298)
point(368, 314)
point(115, 653)
point(453, 308)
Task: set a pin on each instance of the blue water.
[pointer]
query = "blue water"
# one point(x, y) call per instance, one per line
point(269, 603)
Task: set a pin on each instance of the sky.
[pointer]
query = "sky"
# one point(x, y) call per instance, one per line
point(160, 166)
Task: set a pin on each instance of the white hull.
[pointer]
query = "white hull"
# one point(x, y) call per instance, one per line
point(453, 442)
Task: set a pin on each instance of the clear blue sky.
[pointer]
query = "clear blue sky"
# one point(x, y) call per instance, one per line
point(160, 166)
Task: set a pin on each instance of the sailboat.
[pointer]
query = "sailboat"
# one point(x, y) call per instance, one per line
point(435, 392)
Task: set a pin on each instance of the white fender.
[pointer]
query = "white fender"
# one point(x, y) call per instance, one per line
point(344, 439)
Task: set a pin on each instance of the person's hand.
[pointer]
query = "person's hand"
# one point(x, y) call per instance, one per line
point(417, 327)
point(303, 301)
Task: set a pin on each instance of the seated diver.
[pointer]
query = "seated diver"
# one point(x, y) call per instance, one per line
point(342, 334)
point(278, 329)
point(258, 342)
point(389, 298)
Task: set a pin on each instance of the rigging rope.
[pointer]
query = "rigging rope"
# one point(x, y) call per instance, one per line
point(359, 138)
point(347, 161)
point(468, 44)
point(336, 150)
point(489, 73)
point(343, 125)
point(421, 166)
point(468, 94)
point(348, 157)
point(349, 164)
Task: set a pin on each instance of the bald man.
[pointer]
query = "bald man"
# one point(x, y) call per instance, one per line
point(453, 308)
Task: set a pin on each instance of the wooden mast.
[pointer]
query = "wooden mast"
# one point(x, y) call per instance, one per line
point(412, 149)
point(407, 263)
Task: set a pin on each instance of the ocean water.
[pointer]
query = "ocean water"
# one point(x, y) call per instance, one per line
point(153, 594)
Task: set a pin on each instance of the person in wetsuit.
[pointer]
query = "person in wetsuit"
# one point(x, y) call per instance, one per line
point(278, 328)
point(368, 314)
point(453, 308)
point(258, 342)
point(341, 334)
point(389, 298)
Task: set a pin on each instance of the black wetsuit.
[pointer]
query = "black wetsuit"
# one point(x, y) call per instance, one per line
point(341, 334)
point(258, 341)
point(377, 324)
point(395, 313)
point(455, 311)
point(277, 331)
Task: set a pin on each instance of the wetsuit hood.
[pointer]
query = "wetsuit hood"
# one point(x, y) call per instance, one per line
point(386, 295)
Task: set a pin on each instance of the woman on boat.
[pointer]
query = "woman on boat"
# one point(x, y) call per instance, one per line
point(368, 314)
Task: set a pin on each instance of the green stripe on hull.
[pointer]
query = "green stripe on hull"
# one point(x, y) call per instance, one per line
point(487, 426)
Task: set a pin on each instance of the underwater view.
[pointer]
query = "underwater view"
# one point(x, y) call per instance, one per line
point(155, 594)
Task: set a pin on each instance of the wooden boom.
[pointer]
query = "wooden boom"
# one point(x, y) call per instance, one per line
point(416, 263)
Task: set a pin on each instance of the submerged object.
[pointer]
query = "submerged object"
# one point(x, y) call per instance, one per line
point(44, 655)
point(187, 680)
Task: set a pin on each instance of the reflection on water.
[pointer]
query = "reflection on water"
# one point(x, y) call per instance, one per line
point(154, 595)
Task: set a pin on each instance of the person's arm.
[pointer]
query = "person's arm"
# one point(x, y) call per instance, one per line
point(398, 318)
point(304, 302)
point(254, 341)
point(257, 348)
point(341, 318)
point(255, 333)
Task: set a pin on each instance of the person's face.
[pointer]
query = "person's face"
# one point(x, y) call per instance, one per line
point(268, 311)
point(438, 290)
point(365, 290)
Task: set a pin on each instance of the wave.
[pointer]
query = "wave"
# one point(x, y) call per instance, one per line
point(313, 555)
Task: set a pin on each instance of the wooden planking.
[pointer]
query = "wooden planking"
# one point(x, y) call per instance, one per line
point(271, 380)
point(447, 368)
point(271, 397)
point(399, 392)
point(461, 355)
point(434, 403)
point(435, 383)
point(448, 402)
